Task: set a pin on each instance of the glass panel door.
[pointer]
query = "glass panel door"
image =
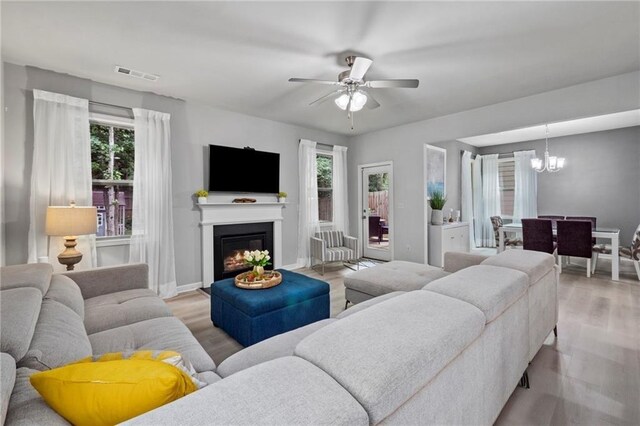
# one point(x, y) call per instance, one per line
point(376, 192)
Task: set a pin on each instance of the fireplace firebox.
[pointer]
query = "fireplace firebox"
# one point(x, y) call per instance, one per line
point(230, 243)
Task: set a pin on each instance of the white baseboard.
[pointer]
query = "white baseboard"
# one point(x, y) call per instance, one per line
point(189, 287)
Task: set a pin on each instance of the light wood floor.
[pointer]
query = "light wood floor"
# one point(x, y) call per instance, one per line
point(590, 375)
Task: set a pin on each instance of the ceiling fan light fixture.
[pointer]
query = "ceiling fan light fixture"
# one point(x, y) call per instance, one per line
point(358, 100)
point(342, 101)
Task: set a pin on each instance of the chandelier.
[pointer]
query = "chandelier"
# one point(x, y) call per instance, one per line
point(551, 164)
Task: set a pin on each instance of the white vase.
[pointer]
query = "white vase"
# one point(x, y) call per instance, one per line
point(258, 270)
point(202, 200)
point(436, 217)
point(282, 199)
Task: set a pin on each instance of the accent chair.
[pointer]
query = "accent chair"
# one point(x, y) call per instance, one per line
point(334, 246)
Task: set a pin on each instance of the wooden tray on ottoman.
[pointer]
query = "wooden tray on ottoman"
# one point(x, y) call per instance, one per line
point(270, 279)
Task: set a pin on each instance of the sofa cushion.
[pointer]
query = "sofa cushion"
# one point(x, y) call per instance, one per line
point(208, 377)
point(19, 311)
point(284, 391)
point(36, 275)
point(367, 303)
point(397, 275)
point(491, 289)
point(64, 290)
point(160, 334)
point(416, 335)
point(7, 380)
point(533, 263)
point(59, 338)
point(123, 308)
point(275, 347)
point(26, 407)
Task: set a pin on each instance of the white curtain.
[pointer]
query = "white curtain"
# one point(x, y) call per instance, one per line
point(525, 203)
point(478, 204)
point(152, 216)
point(491, 197)
point(467, 195)
point(308, 221)
point(340, 198)
point(60, 173)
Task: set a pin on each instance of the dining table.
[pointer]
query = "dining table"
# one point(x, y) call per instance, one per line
point(612, 234)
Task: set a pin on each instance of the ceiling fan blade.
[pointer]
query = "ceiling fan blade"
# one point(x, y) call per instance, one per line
point(325, 98)
point(372, 103)
point(359, 68)
point(311, 80)
point(383, 84)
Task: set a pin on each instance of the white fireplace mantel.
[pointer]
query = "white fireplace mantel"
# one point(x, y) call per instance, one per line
point(212, 214)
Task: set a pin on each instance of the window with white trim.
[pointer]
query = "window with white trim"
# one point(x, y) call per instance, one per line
point(507, 181)
point(324, 165)
point(112, 160)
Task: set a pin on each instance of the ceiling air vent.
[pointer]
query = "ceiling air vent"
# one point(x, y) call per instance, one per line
point(137, 74)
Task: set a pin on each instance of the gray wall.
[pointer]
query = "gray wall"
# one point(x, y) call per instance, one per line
point(404, 144)
point(601, 177)
point(193, 128)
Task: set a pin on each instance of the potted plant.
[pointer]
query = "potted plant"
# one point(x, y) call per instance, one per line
point(437, 202)
point(202, 196)
point(282, 197)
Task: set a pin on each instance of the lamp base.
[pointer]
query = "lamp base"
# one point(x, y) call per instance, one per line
point(70, 256)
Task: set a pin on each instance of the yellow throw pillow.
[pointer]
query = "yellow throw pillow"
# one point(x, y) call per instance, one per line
point(115, 387)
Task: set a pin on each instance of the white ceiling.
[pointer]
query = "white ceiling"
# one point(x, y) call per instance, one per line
point(578, 126)
point(239, 55)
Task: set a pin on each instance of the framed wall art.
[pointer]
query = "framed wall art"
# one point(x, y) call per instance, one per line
point(435, 170)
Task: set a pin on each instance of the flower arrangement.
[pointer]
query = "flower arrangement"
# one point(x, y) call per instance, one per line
point(258, 259)
point(282, 194)
point(201, 193)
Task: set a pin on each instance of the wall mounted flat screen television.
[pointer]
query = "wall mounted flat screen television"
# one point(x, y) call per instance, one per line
point(243, 170)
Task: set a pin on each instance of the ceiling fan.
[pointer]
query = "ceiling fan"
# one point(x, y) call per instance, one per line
point(353, 93)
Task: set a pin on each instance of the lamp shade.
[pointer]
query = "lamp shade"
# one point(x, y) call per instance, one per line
point(71, 220)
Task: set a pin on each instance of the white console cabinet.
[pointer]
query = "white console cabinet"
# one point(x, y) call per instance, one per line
point(453, 236)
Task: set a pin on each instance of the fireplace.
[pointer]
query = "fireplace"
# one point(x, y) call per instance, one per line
point(230, 243)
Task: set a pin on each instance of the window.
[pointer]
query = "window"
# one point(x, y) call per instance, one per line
point(506, 177)
point(112, 159)
point(324, 164)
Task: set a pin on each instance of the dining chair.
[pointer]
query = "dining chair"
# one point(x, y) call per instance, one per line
point(593, 220)
point(554, 218)
point(631, 252)
point(574, 239)
point(497, 222)
point(537, 235)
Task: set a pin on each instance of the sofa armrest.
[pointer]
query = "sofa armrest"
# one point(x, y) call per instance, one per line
point(99, 281)
point(351, 243)
point(455, 261)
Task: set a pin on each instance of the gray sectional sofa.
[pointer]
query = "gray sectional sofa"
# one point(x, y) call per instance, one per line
point(449, 352)
point(48, 320)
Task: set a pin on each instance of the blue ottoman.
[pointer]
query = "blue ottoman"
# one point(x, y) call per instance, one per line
point(250, 316)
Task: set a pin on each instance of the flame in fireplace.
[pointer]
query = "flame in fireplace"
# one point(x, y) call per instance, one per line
point(234, 261)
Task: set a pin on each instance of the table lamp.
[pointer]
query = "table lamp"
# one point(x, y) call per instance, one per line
point(69, 222)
